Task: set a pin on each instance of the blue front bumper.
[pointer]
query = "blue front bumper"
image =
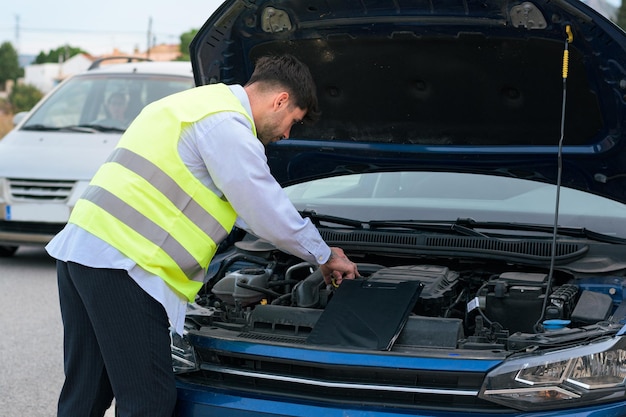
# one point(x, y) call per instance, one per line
point(200, 401)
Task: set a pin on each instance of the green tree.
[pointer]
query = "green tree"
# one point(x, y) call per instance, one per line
point(24, 97)
point(63, 52)
point(185, 40)
point(9, 64)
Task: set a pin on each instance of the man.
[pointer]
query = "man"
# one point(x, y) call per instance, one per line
point(136, 245)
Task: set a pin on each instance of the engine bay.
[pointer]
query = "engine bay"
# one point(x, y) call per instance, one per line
point(259, 291)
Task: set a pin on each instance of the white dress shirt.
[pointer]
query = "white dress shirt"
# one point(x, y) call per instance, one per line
point(221, 151)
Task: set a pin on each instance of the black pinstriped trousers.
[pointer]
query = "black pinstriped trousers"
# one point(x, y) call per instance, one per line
point(116, 344)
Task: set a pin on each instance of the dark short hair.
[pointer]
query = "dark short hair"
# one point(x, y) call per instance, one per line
point(288, 72)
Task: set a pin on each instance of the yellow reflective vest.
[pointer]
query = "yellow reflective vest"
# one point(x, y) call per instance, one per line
point(146, 203)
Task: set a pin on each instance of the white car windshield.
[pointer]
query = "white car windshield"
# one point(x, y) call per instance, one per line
point(102, 101)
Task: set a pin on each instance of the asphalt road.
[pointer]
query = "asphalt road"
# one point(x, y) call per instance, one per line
point(31, 336)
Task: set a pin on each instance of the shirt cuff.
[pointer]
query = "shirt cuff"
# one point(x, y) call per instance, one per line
point(323, 255)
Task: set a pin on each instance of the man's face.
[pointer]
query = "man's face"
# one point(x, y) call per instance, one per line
point(277, 124)
point(117, 108)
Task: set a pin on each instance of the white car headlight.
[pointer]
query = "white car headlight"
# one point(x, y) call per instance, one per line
point(583, 375)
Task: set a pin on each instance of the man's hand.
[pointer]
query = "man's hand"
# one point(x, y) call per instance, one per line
point(338, 267)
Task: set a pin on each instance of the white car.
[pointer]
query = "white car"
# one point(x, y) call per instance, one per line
point(50, 156)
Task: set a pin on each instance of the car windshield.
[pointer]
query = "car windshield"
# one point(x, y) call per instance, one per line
point(102, 102)
point(444, 196)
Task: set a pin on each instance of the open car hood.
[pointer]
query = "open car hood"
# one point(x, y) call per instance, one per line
point(461, 86)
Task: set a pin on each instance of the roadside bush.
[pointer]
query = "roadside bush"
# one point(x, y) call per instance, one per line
point(6, 117)
point(24, 97)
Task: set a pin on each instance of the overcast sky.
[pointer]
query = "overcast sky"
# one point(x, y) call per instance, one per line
point(99, 26)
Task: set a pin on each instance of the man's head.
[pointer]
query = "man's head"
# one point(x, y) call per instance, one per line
point(282, 93)
point(116, 106)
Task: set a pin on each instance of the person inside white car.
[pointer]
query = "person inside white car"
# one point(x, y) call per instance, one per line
point(115, 110)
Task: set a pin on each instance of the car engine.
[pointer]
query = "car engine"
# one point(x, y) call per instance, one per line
point(260, 291)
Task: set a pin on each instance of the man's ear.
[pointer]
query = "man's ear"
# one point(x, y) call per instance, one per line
point(281, 100)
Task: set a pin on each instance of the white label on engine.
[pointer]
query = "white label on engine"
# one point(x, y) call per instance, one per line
point(473, 304)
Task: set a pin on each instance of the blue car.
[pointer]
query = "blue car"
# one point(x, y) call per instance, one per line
point(470, 158)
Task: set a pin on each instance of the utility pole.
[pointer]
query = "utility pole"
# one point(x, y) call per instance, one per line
point(149, 37)
point(17, 34)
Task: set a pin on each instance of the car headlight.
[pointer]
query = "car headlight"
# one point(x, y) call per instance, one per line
point(583, 375)
point(183, 355)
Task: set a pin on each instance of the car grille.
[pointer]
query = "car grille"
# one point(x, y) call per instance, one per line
point(28, 190)
point(401, 389)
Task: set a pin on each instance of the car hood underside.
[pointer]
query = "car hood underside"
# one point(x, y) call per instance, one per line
point(457, 86)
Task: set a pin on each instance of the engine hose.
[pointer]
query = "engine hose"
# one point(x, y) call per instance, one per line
point(283, 300)
point(307, 293)
point(265, 291)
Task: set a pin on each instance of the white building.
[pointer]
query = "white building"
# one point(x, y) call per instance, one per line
point(46, 76)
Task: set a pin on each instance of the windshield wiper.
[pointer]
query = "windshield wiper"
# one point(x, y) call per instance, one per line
point(580, 232)
point(71, 128)
point(40, 127)
point(84, 128)
point(440, 227)
point(462, 226)
point(102, 128)
point(317, 219)
point(428, 226)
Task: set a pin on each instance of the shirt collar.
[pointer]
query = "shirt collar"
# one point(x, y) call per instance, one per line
point(241, 94)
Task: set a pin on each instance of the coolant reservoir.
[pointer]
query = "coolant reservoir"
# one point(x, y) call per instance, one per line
point(235, 288)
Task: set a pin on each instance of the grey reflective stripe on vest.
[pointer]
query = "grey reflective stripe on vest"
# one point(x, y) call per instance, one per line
point(146, 228)
point(170, 189)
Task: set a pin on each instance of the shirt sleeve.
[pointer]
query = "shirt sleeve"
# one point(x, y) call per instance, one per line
point(237, 166)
